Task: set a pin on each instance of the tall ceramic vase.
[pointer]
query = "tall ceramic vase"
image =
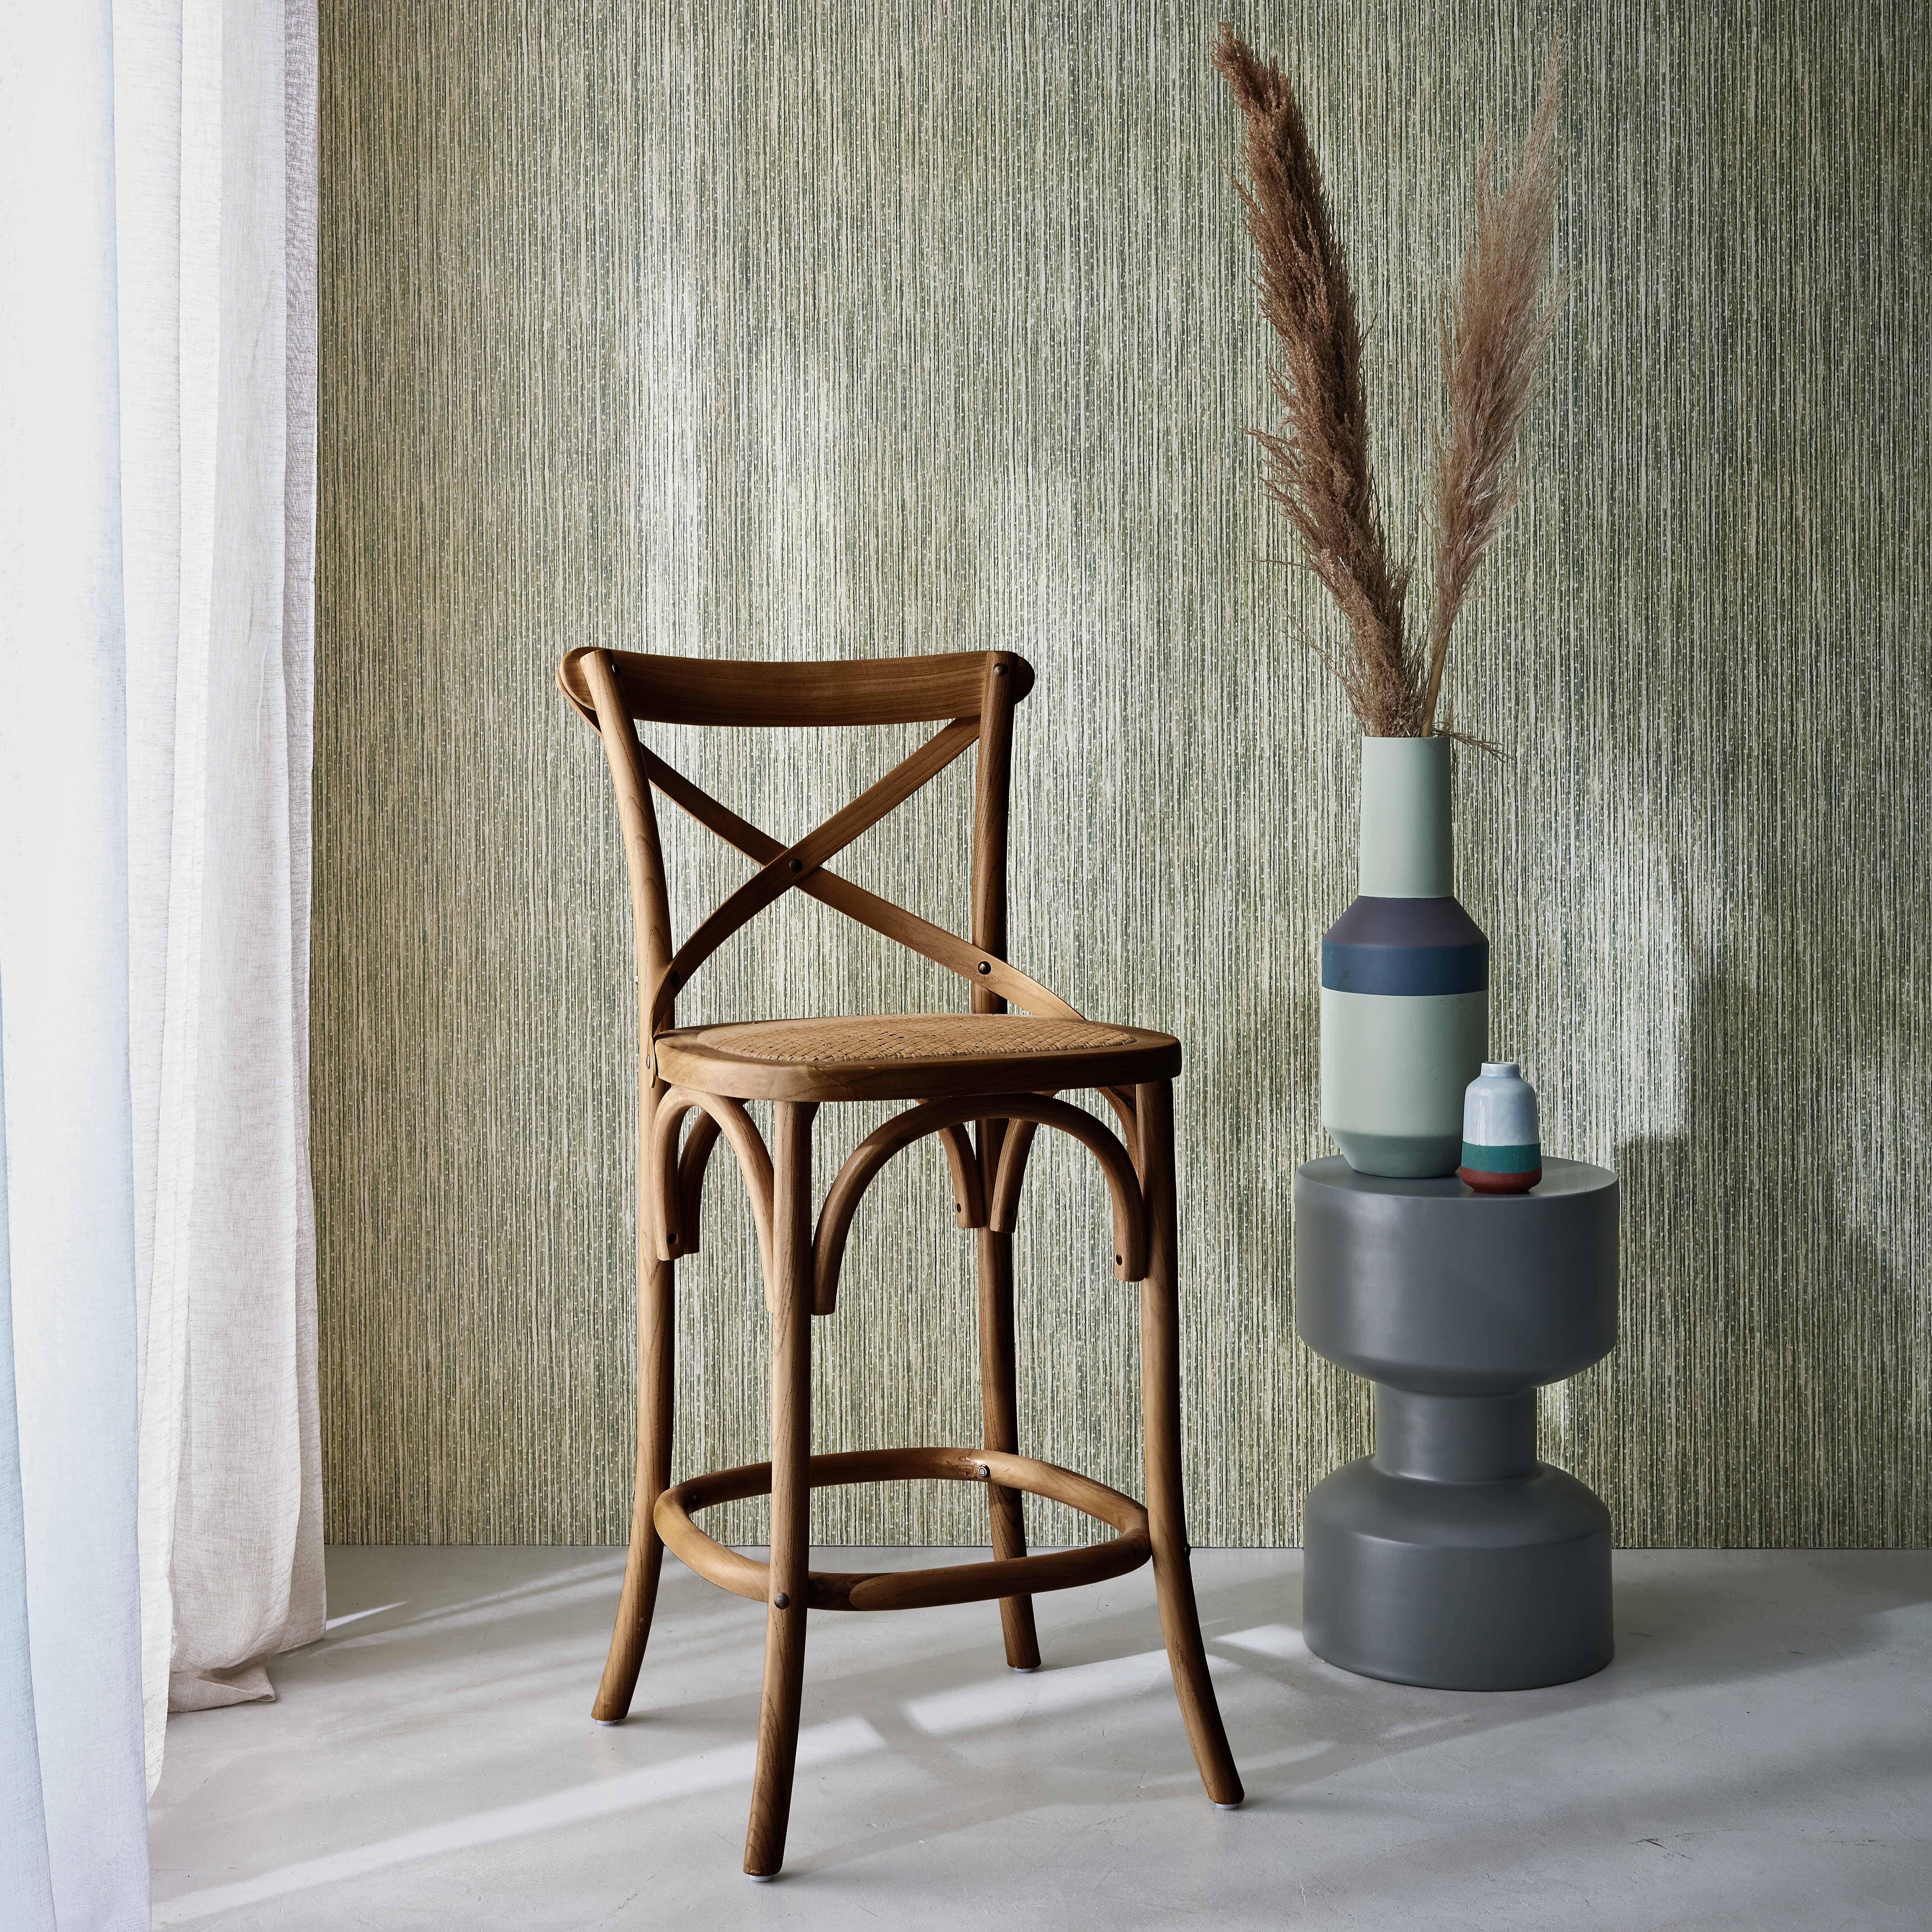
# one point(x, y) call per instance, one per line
point(1405, 976)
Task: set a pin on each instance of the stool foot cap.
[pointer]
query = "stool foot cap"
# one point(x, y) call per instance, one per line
point(1235, 1807)
point(1024, 1670)
point(761, 1878)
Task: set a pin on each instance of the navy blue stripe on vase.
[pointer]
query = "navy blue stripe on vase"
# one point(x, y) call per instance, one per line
point(1411, 947)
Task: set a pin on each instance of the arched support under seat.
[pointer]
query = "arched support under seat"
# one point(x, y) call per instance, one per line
point(1002, 1208)
point(673, 1181)
point(862, 1165)
point(688, 1195)
point(1003, 1211)
point(912, 1589)
point(969, 1191)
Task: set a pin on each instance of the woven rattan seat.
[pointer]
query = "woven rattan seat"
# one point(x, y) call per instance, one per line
point(984, 1084)
point(911, 1057)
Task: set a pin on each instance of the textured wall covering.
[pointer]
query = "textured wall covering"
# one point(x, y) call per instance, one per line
point(822, 329)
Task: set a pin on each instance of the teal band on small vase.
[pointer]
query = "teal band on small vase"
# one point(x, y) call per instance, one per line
point(1522, 1159)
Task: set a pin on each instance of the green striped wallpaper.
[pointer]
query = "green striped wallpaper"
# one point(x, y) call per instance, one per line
point(826, 327)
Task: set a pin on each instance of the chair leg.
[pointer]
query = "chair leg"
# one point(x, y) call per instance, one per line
point(1160, 1405)
point(999, 1404)
point(791, 1493)
point(656, 1340)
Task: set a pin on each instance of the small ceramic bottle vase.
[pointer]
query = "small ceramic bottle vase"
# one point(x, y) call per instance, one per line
point(1502, 1146)
point(1405, 976)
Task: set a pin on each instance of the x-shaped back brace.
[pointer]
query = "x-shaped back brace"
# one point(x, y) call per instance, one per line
point(783, 868)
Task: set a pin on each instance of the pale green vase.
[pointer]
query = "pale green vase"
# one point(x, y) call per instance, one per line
point(1405, 976)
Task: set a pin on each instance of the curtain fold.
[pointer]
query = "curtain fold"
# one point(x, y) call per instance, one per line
point(26, 1878)
point(63, 986)
point(215, 128)
point(160, 1468)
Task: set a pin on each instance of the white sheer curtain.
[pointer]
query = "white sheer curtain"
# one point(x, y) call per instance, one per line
point(160, 1496)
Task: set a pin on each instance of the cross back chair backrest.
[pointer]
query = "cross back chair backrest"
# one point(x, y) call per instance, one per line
point(973, 693)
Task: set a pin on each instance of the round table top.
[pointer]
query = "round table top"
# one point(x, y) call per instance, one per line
point(1560, 1177)
point(1432, 1286)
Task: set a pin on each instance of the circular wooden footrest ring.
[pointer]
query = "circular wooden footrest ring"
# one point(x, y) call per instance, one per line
point(911, 1589)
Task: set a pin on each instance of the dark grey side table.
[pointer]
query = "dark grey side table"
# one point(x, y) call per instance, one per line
point(1452, 1557)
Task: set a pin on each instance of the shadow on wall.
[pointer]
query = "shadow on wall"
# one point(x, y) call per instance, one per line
point(1772, 1380)
point(1746, 668)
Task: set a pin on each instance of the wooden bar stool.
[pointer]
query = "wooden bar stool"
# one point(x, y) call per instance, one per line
point(990, 1071)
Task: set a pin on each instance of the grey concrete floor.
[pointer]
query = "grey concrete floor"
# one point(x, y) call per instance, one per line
point(1759, 1756)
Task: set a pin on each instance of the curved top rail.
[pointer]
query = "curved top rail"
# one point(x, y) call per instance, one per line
point(845, 691)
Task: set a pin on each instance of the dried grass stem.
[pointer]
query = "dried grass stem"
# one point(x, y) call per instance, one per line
point(1316, 465)
point(1498, 325)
